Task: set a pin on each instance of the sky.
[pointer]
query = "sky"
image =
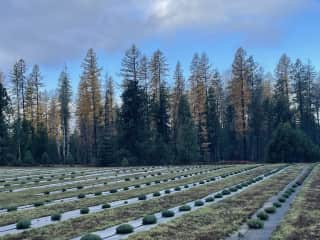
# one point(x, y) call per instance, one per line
point(55, 33)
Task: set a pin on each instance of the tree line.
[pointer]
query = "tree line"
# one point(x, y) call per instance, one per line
point(162, 119)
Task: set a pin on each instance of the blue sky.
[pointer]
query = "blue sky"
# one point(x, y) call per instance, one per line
point(52, 34)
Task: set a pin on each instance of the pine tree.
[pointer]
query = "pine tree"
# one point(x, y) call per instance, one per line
point(187, 150)
point(282, 91)
point(18, 80)
point(240, 98)
point(36, 79)
point(4, 111)
point(106, 146)
point(214, 117)
point(64, 102)
point(199, 78)
point(133, 130)
point(90, 115)
point(178, 91)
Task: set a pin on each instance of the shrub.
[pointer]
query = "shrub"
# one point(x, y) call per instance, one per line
point(81, 195)
point(270, 210)
point(156, 194)
point(56, 217)
point(137, 186)
point(281, 199)
point(255, 223)
point(106, 205)
point(285, 195)
point(12, 208)
point(127, 179)
point(91, 236)
point(167, 213)
point(113, 190)
point(177, 188)
point(209, 199)
point(201, 182)
point(23, 224)
point(225, 192)
point(186, 186)
point(263, 215)
point(149, 219)
point(233, 189)
point(167, 191)
point(46, 192)
point(124, 229)
point(84, 210)
point(184, 208)
point(125, 188)
point(38, 204)
point(277, 204)
point(142, 197)
point(218, 195)
point(198, 203)
point(148, 183)
point(79, 187)
point(97, 193)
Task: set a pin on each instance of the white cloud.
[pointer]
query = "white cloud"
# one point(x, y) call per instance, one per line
point(48, 31)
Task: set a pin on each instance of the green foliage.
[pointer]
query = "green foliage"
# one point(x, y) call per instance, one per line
point(91, 236)
point(184, 208)
point(142, 197)
point(84, 210)
point(106, 205)
point(124, 229)
point(198, 203)
point(270, 210)
point(263, 215)
point(56, 217)
point(291, 145)
point(255, 223)
point(167, 213)
point(23, 224)
point(149, 219)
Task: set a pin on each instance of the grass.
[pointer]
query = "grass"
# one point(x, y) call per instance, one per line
point(96, 221)
point(207, 223)
point(302, 219)
point(27, 197)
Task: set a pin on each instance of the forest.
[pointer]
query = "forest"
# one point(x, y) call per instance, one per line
point(159, 119)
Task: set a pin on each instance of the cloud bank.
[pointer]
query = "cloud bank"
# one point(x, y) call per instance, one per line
point(50, 32)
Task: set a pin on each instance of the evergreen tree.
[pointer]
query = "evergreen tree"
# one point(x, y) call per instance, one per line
point(282, 90)
point(106, 145)
point(133, 130)
point(18, 81)
point(187, 148)
point(64, 102)
point(89, 104)
point(4, 111)
point(240, 99)
point(214, 109)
